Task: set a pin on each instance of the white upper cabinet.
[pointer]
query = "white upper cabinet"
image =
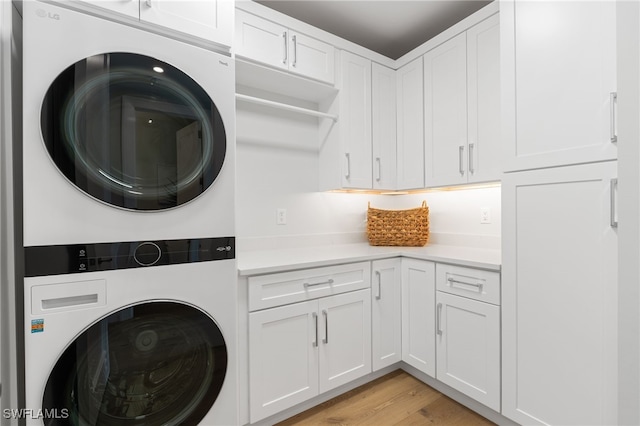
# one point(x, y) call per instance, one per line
point(484, 162)
point(354, 84)
point(383, 104)
point(266, 42)
point(210, 20)
point(445, 104)
point(410, 128)
point(559, 74)
point(462, 107)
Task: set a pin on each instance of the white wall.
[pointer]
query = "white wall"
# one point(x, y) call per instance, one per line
point(277, 167)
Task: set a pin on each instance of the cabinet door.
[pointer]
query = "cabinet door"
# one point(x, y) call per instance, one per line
point(559, 301)
point(355, 120)
point(383, 133)
point(559, 69)
point(311, 58)
point(468, 347)
point(283, 358)
point(418, 315)
point(386, 313)
point(125, 7)
point(345, 338)
point(483, 100)
point(410, 130)
point(261, 40)
point(210, 20)
point(445, 103)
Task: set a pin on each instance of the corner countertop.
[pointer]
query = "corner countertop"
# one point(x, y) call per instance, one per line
point(257, 262)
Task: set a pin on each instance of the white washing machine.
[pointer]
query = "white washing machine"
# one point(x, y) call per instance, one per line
point(128, 222)
point(128, 135)
point(100, 351)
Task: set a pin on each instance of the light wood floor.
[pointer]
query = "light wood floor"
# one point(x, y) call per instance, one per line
point(394, 399)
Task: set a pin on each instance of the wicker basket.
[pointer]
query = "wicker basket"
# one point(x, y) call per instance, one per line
point(398, 227)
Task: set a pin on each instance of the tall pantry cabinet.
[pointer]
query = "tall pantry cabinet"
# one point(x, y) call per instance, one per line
point(559, 268)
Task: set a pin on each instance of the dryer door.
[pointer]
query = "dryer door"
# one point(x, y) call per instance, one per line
point(150, 364)
point(133, 131)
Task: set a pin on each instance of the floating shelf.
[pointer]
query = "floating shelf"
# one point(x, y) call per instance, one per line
point(286, 107)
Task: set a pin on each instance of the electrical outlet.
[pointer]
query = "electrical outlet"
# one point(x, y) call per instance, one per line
point(485, 215)
point(281, 216)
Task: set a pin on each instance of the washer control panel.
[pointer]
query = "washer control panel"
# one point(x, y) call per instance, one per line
point(78, 258)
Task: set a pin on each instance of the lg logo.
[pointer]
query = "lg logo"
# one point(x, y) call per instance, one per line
point(44, 14)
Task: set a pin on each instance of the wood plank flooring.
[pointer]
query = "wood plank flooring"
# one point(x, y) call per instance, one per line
point(394, 399)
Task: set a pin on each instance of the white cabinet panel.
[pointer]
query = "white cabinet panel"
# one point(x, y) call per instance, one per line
point(558, 73)
point(355, 120)
point(386, 315)
point(311, 58)
point(210, 20)
point(560, 295)
point(299, 350)
point(410, 113)
point(345, 338)
point(272, 44)
point(418, 315)
point(383, 114)
point(445, 96)
point(468, 347)
point(283, 358)
point(261, 40)
point(484, 162)
point(462, 107)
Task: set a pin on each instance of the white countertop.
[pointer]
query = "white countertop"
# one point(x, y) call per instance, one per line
point(257, 262)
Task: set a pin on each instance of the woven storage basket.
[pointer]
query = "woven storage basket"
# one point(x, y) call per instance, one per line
point(398, 227)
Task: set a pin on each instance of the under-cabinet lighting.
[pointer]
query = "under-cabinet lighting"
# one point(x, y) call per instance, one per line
point(418, 191)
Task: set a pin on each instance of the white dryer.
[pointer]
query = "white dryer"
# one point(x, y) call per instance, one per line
point(152, 346)
point(128, 135)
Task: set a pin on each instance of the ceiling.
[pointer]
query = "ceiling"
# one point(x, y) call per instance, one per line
point(391, 28)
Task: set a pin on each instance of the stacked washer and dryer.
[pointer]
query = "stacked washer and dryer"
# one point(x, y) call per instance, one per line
point(128, 197)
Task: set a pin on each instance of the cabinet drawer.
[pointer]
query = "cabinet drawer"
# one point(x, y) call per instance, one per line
point(468, 282)
point(267, 291)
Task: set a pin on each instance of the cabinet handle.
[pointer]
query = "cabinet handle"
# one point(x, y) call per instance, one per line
point(326, 326)
point(613, 184)
point(315, 319)
point(348, 175)
point(471, 167)
point(613, 104)
point(148, 3)
point(379, 295)
point(460, 165)
point(285, 43)
point(477, 285)
point(438, 319)
point(329, 281)
point(379, 169)
point(295, 51)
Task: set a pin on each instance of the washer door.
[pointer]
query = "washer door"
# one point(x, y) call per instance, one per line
point(150, 364)
point(133, 131)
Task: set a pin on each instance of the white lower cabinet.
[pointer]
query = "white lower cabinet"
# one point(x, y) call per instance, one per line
point(418, 315)
point(300, 350)
point(468, 332)
point(560, 297)
point(386, 313)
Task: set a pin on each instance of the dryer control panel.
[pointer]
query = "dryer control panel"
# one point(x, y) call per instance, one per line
point(78, 258)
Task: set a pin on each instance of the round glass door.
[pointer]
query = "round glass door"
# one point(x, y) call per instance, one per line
point(156, 363)
point(133, 131)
